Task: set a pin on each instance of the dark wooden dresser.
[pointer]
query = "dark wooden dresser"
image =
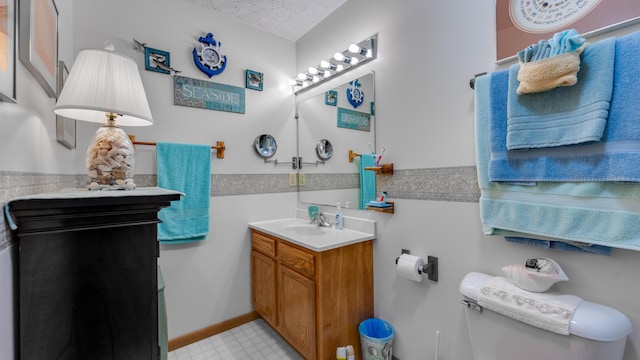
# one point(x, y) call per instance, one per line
point(87, 273)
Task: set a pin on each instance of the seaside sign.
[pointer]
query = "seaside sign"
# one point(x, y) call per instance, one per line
point(207, 95)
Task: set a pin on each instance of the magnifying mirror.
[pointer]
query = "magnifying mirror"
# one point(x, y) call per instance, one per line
point(265, 145)
point(324, 149)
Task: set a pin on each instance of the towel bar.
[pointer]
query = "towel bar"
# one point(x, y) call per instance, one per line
point(352, 155)
point(220, 147)
point(472, 82)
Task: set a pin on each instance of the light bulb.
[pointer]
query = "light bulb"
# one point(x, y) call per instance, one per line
point(313, 70)
point(302, 76)
point(339, 56)
point(354, 48)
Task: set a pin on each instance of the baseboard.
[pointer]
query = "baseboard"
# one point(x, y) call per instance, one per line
point(198, 335)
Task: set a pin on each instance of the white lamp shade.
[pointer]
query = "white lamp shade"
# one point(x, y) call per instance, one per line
point(101, 82)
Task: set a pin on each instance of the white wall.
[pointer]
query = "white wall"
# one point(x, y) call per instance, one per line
point(207, 282)
point(428, 51)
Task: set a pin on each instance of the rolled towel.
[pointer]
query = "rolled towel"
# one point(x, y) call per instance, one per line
point(549, 73)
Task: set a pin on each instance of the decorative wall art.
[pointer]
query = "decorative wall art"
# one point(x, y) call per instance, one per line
point(254, 80)
point(7, 50)
point(157, 60)
point(350, 119)
point(207, 95)
point(331, 98)
point(65, 127)
point(154, 59)
point(520, 23)
point(39, 41)
point(208, 57)
point(355, 95)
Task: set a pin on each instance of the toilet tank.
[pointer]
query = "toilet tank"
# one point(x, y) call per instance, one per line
point(597, 332)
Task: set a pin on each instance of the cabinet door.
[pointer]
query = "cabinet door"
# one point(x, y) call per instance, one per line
point(263, 277)
point(297, 308)
point(89, 294)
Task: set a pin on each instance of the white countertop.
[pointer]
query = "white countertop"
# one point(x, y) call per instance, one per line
point(314, 237)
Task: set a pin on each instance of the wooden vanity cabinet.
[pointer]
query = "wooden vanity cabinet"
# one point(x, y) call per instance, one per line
point(314, 300)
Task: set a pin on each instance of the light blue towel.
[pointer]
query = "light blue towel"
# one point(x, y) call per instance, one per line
point(567, 114)
point(615, 158)
point(367, 180)
point(561, 42)
point(601, 213)
point(185, 168)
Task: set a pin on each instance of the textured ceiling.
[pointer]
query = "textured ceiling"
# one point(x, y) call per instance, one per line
point(289, 19)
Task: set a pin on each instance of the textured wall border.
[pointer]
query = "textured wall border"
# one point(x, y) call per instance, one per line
point(438, 184)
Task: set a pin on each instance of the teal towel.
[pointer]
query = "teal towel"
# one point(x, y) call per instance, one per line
point(185, 168)
point(568, 114)
point(367, 180)
point(601, 213)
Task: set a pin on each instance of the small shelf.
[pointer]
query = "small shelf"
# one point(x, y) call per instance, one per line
point(387, 210)
point(383, 169)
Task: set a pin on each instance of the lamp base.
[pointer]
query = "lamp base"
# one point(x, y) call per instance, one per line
point(110, 160)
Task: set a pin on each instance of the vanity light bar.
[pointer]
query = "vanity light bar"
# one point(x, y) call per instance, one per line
point(356, 55)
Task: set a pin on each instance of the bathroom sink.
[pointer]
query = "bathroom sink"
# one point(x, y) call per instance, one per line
point(305, 230)
point(312, 236)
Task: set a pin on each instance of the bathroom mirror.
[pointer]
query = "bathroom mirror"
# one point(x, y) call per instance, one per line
point(324, 149)
point(344, 114)
point(265, 145)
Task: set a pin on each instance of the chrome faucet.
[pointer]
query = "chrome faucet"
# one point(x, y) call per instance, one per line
point(321, 220)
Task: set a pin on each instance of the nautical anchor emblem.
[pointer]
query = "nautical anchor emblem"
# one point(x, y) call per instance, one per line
point(355, 96)
point(209, 59)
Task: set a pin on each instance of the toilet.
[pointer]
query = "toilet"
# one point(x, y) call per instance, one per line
point(596, 332)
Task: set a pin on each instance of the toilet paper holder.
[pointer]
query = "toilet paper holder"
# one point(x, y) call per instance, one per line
point(430, 268)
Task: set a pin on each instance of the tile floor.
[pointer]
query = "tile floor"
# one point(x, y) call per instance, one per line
point(252, 341)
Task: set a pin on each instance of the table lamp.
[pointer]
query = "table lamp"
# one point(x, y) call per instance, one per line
point(105, 87)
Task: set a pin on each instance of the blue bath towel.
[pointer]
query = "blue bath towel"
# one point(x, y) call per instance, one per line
point(367, 180)
point(185, 168)
point(568, 114)
point(560, 245)
point(600, 213)
point(615, 158)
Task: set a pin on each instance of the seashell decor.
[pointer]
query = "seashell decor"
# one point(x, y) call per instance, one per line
point(539, 278)
point(110, 159)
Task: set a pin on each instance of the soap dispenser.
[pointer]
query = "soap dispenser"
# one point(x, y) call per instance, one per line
point(339, 218)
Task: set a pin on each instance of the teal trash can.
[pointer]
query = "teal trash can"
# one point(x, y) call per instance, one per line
point(162, 319)
point(376, 339)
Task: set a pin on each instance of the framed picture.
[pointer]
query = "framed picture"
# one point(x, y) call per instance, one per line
point(520, 23)
point(65, 127)
point(39, 41)
point(157, 60)
point(8, 50)
point(331, 97)
point(254, 80)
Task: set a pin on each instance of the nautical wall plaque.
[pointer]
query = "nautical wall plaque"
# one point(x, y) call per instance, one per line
point(208, 57)
point(355, 120)
point(355, 95)
point(207, 95)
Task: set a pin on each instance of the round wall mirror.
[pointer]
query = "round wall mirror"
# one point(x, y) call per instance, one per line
point(265, 145)
point(324, 149)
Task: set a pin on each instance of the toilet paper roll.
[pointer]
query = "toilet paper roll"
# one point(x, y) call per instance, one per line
point(408, 266)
